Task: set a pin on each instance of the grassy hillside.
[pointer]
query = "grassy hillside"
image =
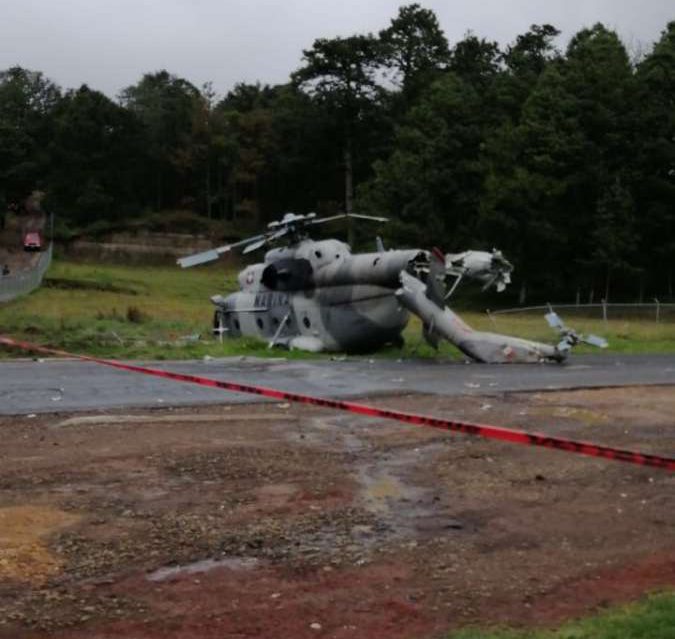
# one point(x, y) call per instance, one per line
point(158, 312)
point(122, 311)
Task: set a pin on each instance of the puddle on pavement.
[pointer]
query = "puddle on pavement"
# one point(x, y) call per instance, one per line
point(406, 508)
point(24, 553)
point(401, 509)
point(386, 488)
point(380, 490)
point(202, 566)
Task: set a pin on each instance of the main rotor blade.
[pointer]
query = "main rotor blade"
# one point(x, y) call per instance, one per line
point(374, 218)
point(255, 246)
point(214, 254)
point(198, 258)
point(343, 216)
point(266, 239)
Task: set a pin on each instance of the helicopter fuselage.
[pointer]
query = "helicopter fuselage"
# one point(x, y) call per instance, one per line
point(316, 295)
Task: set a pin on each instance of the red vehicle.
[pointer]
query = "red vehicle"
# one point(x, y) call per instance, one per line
point(32, 241)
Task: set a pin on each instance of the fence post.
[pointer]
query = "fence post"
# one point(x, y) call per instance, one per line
point(604, 310)
point(658, 310)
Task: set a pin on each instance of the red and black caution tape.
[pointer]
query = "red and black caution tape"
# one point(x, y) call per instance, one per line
point(480, 430)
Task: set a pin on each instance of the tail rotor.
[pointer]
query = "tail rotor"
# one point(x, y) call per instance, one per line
point(570, 337)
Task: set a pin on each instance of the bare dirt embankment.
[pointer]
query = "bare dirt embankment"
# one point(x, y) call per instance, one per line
point(139, 247)
point(280, 521)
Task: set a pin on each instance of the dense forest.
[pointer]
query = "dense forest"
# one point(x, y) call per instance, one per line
point(563, 159)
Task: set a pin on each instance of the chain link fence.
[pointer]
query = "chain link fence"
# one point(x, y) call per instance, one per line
point(655, 311)
point(23, 282)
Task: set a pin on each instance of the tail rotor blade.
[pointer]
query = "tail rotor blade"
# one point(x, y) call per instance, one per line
point(595, 340)
point(570, 337)
point(554, 320)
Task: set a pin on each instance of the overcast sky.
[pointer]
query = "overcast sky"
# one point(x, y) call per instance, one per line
point(109, 44)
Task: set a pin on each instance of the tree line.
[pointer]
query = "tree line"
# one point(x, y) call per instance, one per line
point(563, 159)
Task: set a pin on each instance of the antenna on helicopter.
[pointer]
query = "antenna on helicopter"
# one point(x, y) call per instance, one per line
point(291, 224)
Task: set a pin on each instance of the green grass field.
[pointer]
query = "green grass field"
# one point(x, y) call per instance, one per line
point(652, 618)
point(123, 311)
point(625, 335)
point(155, 312)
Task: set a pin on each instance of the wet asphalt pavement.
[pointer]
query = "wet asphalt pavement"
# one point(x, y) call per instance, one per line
point(28, 386)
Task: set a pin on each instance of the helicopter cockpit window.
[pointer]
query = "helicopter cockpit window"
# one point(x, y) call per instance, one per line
point(288, 274)
point(318, 254)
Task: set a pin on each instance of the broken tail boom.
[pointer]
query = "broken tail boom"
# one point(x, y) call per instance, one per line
point(482, 346)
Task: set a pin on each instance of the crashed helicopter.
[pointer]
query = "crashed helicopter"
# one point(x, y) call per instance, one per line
point(316, 295)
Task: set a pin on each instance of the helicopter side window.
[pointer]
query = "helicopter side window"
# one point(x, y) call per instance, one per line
point(259, 322)
point(318, 254)
point(236, 324)
point(306, 322)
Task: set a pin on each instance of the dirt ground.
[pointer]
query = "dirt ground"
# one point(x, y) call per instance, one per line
point(271, 520)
